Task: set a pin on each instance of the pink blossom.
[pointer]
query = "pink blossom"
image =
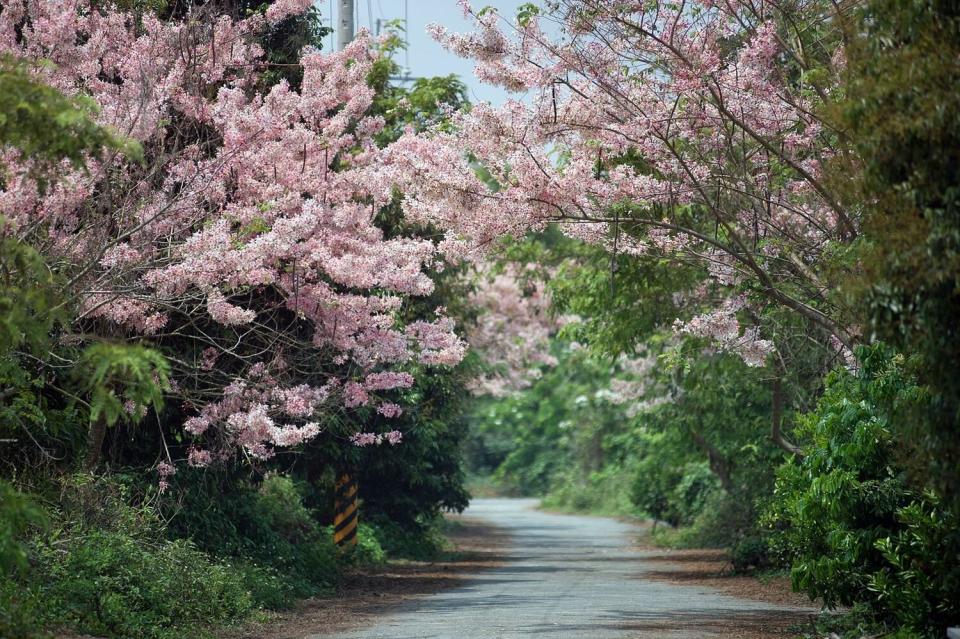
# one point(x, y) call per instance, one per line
point(280, 9)
point(388, 380)
point(362, 440)
point(365, 439)
point(199, 458)
point(354, 395)
point(723, 327)
point(684, 86)
point(196, 425)
point(165, 471)
point(208, 358)
point(226, 313)
point(512, 332)
point(389, 410)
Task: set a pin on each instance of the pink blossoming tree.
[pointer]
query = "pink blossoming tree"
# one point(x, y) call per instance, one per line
point(244, 243)
point(513, 330)
point(690, 132)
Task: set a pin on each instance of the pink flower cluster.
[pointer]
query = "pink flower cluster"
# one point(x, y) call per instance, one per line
point(393, 438)
point(513, 330)
point(723, 328)
point(390, 410)
point(165, 471)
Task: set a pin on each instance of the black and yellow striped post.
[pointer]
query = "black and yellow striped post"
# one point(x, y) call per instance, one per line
point(345, 519)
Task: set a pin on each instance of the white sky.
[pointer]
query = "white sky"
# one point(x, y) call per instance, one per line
point(426, 57)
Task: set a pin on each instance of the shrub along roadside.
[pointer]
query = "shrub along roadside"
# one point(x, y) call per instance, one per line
point(845, 515)
point(105, 566)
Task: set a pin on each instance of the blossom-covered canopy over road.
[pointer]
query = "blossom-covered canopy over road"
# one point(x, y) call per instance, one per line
point(269, 310)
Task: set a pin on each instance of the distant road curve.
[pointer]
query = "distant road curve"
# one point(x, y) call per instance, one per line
point(568, 577)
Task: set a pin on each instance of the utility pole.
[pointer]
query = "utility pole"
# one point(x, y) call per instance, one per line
point(345, 31)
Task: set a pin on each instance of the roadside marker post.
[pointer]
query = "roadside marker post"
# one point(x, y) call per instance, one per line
point(345, 519)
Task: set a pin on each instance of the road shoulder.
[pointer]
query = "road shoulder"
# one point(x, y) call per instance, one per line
point(365, 596)
point(711, 568)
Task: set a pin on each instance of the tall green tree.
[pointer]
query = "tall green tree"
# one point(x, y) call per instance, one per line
point(903, 114)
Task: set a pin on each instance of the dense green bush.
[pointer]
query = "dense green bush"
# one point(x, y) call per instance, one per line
point(424, 542)
point(691, 493)
point(750, 553)
point(103, 567)
point(368, 551)
point(112, 584)
point(18, 514)
point(846, 517)
point(901, 109)
point(266, 524)
point(108, 565)
point(604, 492)
point(654, 482)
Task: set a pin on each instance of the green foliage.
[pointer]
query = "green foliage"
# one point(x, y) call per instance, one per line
point(673, 484)
point(20, 611)
point(854, 528)
point(604, 492)
point(368, 552)
point(856, 623)
point(102, 567)
point(17, 515)
point(425, 542)
point(113, 374)
point(674, 494)
point(112, 584)
point(28, 299)
point(562, 423)
point(902, 113)
point(526, 12)
point(713, 461)
point(30, 308)
point(417, 480)
point(427, 102)
point(620, 301)
point(46, 126)
point(750, 553)
point(283, 43)
point(267, 525)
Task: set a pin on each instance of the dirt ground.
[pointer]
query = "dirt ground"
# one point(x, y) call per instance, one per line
point(711, 568)
point(365, 595)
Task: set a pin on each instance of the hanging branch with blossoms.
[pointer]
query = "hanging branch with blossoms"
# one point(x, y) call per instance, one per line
point(244, 244)
point(686, 131)
point(513, 330)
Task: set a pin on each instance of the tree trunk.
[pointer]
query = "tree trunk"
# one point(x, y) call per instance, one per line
point(95, 437)
point(776, 432)
point(718, 464)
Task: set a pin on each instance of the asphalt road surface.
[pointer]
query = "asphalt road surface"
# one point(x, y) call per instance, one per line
point(570, 577)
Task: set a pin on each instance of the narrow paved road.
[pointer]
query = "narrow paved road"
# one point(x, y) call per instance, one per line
point(570, 577)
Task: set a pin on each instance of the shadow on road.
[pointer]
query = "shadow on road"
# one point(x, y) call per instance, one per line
point(366, 595)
